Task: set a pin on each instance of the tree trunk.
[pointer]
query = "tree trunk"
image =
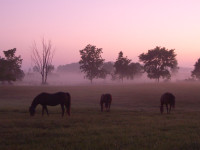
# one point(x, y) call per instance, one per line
point(42, 79)
point(46, 75)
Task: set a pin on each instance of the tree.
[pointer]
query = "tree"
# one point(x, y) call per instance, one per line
point(10, 67)
point(73, 68)
point(108, 66)
point(159, 62)
point(3, 70)
point(43, 61)
point(134, 70)
point(91, 62)
point(196, 71)
point(122, 66)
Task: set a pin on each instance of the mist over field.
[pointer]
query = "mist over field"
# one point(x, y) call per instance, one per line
point(77, 78)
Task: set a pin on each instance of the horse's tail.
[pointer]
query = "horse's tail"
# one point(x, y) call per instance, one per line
point(68, 105)
point(161, 100)
point(161, 104)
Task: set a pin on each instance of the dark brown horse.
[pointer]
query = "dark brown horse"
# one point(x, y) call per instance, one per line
point(46, 99)
point(106, 99)
point(167, 99)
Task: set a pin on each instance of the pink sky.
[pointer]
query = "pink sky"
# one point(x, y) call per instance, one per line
point(131, 26)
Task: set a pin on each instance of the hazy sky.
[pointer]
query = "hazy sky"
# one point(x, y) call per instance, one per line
point(131, 26)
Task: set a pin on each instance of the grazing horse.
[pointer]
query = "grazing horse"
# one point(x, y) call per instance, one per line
point(107, 99)
point(167, 98)
point(46, 99)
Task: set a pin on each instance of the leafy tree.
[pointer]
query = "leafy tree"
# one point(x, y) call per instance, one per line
point(91, 62)
point(196, 71)
point(121, 66)
point(108, 67)
point(73, 67)
point(3, 69)
point(134, 70)
point(124, 68)
point(10, 67)
point(159, 62)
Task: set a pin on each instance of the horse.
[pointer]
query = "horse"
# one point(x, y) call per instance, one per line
point(167, 98)
point(107, 99)
point(46, 99)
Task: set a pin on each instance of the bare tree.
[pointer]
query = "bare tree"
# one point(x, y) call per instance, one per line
point(43, 61)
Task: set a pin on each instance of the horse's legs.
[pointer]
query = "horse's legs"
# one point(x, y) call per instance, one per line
point(42, 110)
point(67, 106)
point(106, 106)
point(63, 110)
point(170, 108)
point(167, 108)
point(101, 107)
point(45, 107)
point(109, 106)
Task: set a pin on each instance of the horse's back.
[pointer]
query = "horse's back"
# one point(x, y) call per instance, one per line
point(106, 98)
point(52, 99)
point(167, 98)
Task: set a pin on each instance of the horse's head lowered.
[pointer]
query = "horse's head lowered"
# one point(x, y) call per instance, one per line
point(31, 111)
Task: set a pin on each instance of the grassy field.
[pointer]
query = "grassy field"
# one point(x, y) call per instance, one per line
point(133, 123)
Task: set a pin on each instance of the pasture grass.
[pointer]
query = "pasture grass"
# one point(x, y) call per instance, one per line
point(133, 123)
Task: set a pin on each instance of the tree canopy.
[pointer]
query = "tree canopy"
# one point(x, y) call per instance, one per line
point(108, 67)
point(91, 62)
point(10, 66)
point(134, 70)
point(196, 71)
point(159, 62)
point(124, 68)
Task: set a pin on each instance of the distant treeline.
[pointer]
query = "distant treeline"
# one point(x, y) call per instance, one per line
point(75, 67)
